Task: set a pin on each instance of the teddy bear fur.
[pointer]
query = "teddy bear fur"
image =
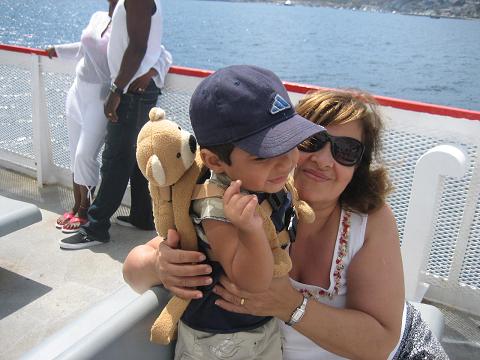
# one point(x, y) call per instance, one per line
point(170, 160)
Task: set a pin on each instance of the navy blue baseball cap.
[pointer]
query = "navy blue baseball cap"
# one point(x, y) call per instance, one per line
point(249, 107)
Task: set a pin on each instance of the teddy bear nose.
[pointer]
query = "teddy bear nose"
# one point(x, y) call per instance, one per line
point(192, 142)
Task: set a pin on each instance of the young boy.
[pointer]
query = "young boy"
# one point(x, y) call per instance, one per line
point(248, 134)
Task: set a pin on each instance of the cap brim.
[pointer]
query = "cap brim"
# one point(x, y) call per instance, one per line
point(280, 138)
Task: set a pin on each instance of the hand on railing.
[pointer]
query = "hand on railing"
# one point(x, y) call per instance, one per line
point(51, 52)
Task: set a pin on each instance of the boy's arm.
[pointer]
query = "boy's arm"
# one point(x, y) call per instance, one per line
point(246, 257)
point(241, 247)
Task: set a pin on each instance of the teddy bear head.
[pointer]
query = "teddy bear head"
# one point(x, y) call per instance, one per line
point(164, 150)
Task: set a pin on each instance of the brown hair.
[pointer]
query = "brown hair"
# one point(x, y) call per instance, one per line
point(370, 183)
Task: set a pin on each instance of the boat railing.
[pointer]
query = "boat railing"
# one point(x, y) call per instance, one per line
point(33, 141)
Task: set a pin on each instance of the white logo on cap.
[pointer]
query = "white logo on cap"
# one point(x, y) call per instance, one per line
point(279, 104)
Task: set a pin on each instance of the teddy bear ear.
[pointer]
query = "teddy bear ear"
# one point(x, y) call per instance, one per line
point(156, 114)
point(155, 170)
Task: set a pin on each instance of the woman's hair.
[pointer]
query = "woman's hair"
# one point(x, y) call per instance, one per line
point(370, 183)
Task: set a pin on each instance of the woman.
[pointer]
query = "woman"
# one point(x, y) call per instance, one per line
point(345, 298)
point(86, 122)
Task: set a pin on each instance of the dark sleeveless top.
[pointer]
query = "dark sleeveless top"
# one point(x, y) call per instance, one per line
point(202, 314)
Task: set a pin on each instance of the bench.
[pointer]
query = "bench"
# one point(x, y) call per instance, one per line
point(15, 215)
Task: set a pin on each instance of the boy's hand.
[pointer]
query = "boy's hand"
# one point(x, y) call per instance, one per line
point(240, 209)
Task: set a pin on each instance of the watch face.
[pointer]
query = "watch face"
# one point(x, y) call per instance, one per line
point(298, 315)
point(115, 89)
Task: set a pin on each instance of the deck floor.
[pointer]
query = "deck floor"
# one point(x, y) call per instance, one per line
point(42, 287)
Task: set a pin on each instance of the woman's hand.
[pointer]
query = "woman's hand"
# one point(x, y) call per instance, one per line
point(51, 52)
point(160, 262)
point(280, 300)
point(179, 270)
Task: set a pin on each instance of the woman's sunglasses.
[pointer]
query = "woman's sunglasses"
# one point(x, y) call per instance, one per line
point(345, 150)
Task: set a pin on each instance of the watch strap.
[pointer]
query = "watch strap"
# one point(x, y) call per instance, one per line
point(115, 89)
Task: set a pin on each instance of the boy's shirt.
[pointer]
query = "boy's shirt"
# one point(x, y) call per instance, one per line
point(202, 314)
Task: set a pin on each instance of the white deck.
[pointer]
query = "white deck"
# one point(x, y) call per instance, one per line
point(42, 288)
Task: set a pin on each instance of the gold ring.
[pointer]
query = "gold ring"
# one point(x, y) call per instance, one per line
point(242, 301)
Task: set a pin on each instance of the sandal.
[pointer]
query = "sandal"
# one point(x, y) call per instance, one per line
point(64, 219)
point(73, 225)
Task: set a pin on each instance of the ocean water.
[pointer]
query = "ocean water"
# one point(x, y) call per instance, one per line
point(408, 57)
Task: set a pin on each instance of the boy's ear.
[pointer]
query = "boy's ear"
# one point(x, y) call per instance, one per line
point(212, 161)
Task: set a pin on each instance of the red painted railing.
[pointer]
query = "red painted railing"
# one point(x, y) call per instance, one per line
point(302, 89)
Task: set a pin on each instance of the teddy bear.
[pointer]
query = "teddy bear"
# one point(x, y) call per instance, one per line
point(169, 158)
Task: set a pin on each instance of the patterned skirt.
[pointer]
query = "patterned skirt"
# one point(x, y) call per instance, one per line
point(418, 341)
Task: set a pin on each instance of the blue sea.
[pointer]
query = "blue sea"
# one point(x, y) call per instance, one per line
point(408, 57)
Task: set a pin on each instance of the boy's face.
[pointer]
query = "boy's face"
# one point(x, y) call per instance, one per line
point(258, 174)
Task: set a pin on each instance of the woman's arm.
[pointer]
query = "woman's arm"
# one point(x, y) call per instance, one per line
point(159, 262)
point(71, 51)
point(369, 326)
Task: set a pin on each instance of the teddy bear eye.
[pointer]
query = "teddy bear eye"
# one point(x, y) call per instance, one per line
point(179, 128)
point(179, 155)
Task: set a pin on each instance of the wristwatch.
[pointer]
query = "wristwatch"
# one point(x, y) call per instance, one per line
point(116, 90)
point(298, 313)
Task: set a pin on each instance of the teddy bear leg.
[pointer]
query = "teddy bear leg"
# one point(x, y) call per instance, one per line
point(281, 262)
point(164, 329)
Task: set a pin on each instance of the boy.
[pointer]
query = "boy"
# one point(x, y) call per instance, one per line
point(248, 132)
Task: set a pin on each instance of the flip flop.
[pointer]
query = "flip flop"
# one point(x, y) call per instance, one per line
point(63, 220)
point(73, 225)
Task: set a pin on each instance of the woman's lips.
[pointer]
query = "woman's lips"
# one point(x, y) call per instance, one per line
point(316, 175)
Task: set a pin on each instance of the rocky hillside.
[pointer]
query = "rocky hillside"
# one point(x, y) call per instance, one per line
point(443, 8)
point(435, 8)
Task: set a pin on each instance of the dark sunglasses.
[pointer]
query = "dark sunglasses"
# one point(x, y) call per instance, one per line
point(345, 150)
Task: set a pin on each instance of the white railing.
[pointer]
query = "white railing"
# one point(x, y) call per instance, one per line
point(33, 140)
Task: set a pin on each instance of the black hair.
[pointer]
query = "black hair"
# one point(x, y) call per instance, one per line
point(223, 151)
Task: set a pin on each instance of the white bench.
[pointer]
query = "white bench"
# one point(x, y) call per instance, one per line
point(15, 215)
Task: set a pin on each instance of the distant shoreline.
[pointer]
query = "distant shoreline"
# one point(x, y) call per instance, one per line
point(313, 3)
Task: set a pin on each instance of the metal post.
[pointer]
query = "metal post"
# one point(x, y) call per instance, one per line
point(41, 134)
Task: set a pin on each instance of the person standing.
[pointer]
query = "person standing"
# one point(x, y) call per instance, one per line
point(86, 122)
point(134, 48)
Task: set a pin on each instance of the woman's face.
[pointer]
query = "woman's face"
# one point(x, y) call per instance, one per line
point(319, 178)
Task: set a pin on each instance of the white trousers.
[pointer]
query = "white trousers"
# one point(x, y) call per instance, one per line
point(86, 125)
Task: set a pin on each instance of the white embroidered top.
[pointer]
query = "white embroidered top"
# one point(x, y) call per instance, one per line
point(350, 238)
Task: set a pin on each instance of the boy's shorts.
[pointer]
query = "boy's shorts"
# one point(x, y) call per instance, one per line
point(262, 343)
